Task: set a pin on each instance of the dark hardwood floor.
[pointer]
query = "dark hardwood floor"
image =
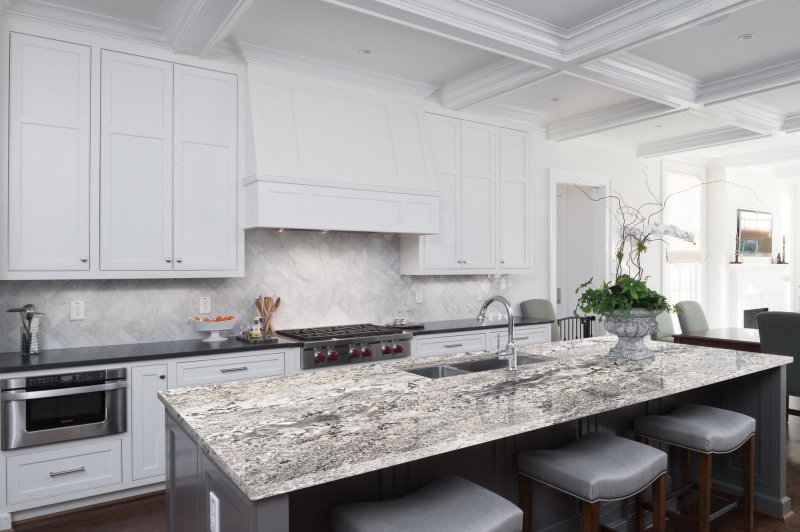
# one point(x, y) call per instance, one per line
point(147, 514)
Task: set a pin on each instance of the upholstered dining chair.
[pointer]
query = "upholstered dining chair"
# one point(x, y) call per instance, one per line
point(665, 330)
point(691, 316)
point(780, 335)
point(542, 309)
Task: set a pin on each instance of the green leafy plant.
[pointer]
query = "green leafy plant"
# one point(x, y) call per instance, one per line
point(626, 294)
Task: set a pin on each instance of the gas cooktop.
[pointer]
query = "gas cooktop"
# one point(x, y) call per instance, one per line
point(333, 332)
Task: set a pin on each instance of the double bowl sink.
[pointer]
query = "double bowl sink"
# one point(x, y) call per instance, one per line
point(473, 366)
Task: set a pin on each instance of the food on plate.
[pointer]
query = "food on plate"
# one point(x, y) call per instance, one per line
point(218, 318)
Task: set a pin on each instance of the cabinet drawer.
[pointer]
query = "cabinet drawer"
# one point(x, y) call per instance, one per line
point(63, 471)
point(535, 334)
point(229, 369)
point(426, 346)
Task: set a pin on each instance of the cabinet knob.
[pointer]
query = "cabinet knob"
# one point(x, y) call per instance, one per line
point(502, 261)
point(84, 259)
point(162, 377)
point(168, 259)
point(178, 260)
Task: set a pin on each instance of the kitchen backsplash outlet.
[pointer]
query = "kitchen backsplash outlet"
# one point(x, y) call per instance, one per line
point(323, 279)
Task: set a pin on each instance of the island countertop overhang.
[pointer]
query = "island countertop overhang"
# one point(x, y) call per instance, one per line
point(277, 435)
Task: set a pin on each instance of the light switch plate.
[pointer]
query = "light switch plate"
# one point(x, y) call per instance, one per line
point(418, 296)
point(76, 310)
point(205, 305)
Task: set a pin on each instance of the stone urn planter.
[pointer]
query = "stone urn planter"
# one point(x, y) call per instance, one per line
point(631, 331)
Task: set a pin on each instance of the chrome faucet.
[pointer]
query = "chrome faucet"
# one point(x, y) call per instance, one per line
point(510, 351)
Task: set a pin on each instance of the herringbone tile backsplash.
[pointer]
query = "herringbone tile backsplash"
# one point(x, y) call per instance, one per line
point(323, 279)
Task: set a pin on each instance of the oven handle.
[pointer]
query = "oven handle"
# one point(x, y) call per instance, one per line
point(21, 395)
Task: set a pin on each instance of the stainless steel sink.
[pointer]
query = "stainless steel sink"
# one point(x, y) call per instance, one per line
point(473, 366)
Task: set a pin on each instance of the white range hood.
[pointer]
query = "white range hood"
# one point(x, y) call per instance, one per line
point(330, 158)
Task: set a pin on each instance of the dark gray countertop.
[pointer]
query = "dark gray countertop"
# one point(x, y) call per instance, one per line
point(470, 324)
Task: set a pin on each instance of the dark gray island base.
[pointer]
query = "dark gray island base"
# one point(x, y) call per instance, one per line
point(279, 453)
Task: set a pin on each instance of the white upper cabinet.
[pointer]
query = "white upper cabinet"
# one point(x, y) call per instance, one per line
point(205, 174)
point(48, 157)
point(136, 163)
point(485, 204)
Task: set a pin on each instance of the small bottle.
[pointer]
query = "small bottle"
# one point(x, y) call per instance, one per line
point(255, 328)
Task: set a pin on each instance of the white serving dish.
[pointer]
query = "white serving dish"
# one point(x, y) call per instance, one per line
point(214, 328)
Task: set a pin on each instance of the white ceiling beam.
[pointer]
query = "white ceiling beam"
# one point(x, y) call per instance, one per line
point(749, 83)
point(704, 139)
point(789, 153)
point(610, 117)
point(195, 26)
point(745, 114)
point(791, 123)
point(488, 82)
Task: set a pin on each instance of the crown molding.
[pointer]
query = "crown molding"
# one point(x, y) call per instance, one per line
point(644, 78)
point(196, 26)
point(610, 117)
point(532, 120)
point(748, 83)
point(704, 139)
point(271, 57)
point(746, 114)
point(486, 83)
point(791, 123)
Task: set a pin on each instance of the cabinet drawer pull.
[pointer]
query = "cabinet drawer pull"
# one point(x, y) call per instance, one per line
point(522, 338)
point(68, 471)
point(178, 260)
point(162, 377)
point(453, 345)
point(231, 370)
point(168, 259)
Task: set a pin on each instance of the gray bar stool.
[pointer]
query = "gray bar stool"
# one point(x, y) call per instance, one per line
point(705, 431)
point(598, 467)
point(448, 504)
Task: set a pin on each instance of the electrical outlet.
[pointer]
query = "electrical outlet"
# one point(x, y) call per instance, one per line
point(213, 512)
point(205, 305)
point(418, 296)
point(76, 310)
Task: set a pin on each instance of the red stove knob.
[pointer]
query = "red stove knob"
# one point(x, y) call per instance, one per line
point(356, 352)
point(367, 351)
point(386, 349)
point(398, 348)
point(320, 356)
point(333, 356)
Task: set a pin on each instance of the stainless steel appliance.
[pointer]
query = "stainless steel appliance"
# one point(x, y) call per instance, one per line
point(68, 406)
point(349, 344)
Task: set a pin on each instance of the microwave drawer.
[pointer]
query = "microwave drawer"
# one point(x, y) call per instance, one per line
point(217, 370)
point(71, 470)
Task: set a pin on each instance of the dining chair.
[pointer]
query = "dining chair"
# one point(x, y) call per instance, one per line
point(542, 309)
point(665, 329)
point(780, 335)
point(691, 316)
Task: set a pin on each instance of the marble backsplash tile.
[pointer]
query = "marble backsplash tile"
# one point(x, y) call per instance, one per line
point(323, 279)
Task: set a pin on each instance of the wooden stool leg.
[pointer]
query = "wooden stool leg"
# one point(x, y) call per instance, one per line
point(639, 511)
point(704, 486)
point(749, 467)
point(660, 504)
point(526, 502)
point(591, 516)
point(686, 478)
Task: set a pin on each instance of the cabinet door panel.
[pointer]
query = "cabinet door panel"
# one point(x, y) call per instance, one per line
point(478, 195)
point(441, 251)
point(514, 230)
point(49, 115)
point(136, 163)
point(147, 420)
point(205, 171)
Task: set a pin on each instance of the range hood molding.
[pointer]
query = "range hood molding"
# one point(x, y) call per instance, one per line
point(329, 158)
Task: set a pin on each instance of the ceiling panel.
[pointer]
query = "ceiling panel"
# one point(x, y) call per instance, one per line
point(563, 96)
point(785, 100)
point(709, 52)
point(323, 31)
point(565, 15)
point(144, 11)
point(657, 129)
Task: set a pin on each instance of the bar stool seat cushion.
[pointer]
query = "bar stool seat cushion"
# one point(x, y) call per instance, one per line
point(699, 428)
point(449, 503)
point(596, 467)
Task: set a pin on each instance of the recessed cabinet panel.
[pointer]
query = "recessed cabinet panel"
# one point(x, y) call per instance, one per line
point(515, 201)
point(205, 170)
point(147, 420)
point(478, 196)
point(442, 250)
point(48, 158)
point(136, 163)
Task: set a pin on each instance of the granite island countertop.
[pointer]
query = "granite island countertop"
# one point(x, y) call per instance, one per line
point(276, 435)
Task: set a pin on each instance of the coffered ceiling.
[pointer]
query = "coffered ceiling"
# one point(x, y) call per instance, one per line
point(660, 76)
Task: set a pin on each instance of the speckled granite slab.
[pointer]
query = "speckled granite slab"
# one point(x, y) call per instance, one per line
point(276, 435)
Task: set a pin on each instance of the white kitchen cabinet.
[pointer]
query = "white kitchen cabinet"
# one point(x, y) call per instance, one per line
point(215, 370)
point(525, 335)
point(48, 157)
point(147, 420)
point(427, 345)
point(482, 172)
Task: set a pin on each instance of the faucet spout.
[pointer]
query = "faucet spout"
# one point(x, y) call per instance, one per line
point(510, 351)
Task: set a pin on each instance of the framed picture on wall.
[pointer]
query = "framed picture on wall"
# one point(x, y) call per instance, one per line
point(755, 233)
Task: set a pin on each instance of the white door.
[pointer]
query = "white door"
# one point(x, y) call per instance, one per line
point(136, 163)
point(442, 250)
point(515, 201)
point(205, 171)
point(48, 157)
point(147, 420)
point(478, 180)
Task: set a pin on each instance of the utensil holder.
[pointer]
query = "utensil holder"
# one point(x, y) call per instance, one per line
point(30, 343)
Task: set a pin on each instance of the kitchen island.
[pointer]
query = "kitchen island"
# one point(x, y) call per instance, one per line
point(280, 452)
